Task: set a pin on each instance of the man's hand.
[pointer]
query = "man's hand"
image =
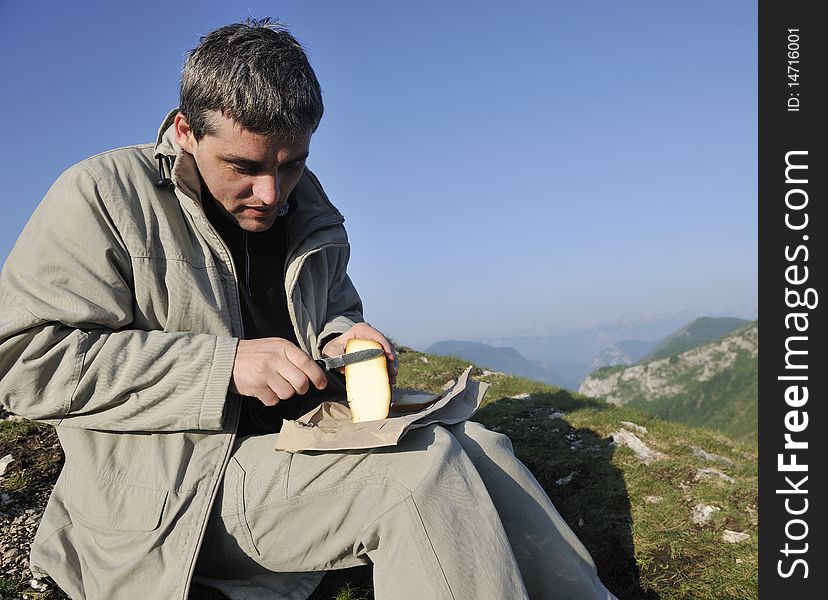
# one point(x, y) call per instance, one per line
point(274, 369)
point(364, 331)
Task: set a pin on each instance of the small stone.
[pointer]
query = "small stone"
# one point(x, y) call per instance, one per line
point(580, 522)
point(701, 513)
point(708, 473)
point(10, 553)
point(4, 462)
point(524, 396)
point(633, 426)
point(38, 585)
point(734, 537)
point(709, 456)
point(449, 385)
point(555, 415)
point(653, 499)
point(644, 453)
point(424, 359)
point(565, 480)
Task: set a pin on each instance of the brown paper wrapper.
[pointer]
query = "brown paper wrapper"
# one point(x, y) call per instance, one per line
point(329, 426)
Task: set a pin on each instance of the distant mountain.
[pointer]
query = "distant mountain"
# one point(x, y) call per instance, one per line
point(503, 359)
point(701, 331)
point(627, 352)
point(571, 353)
point(713, 385)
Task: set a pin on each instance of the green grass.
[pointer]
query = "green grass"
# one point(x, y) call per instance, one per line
point(12, 431)
point(17, 481)
point(350, 592)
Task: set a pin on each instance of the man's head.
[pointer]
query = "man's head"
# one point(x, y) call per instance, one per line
point(255, 73)
point(249, 104)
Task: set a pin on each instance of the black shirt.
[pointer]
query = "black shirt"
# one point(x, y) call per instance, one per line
point(259, 259)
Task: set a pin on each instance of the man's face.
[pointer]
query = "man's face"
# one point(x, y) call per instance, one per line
point(250, 175)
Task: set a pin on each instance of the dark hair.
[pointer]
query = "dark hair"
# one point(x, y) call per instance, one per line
point(255, 73)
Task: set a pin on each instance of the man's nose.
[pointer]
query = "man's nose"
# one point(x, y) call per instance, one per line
point(266, 189)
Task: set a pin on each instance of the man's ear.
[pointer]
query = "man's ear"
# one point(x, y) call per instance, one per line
point(183, 134)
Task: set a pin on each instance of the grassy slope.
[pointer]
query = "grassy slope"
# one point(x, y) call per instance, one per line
point(643, 549)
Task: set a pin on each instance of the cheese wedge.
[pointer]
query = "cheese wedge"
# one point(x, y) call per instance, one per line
point(366, 384)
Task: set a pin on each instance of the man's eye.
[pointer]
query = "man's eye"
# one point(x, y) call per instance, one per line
point(294, 165)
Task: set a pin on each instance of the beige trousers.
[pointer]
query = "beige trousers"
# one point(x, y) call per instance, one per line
point(449, 513)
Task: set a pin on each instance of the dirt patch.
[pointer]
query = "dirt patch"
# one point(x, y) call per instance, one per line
point(24, 490)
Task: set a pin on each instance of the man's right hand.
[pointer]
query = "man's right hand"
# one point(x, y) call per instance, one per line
point(274, 369)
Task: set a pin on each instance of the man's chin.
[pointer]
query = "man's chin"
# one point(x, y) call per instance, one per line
point(256, 224)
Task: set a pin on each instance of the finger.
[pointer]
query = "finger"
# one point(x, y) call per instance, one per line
point(294, 376)
point(366, 331)
point(335, 347)
point(280, 386)
point(267, 396)
point(393, 371)
point(308, 366)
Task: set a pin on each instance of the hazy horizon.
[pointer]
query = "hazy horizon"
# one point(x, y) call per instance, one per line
point(633, 321)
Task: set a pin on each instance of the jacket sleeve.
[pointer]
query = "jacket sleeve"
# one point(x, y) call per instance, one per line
point(344, 307)
point(67, 353)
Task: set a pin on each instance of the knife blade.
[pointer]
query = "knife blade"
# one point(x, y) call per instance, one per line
point(335, 362)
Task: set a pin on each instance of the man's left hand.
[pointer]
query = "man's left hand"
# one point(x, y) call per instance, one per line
point(364, 331)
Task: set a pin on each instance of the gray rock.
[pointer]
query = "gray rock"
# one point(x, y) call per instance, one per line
point(701, 513)
point(633, 426)
point(644, 453)
point(5, 462)
point(567, 479)
point(710, 456)
point(707, 473)
point(734, 537)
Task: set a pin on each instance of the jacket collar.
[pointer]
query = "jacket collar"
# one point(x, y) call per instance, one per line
point(313, 209)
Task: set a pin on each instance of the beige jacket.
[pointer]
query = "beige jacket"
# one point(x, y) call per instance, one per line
point(119, 319)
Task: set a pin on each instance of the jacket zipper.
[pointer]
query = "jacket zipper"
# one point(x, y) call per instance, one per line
point(247, 265)
point(190, 569)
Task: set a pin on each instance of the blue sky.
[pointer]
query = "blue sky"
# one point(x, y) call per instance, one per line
point(504, 168)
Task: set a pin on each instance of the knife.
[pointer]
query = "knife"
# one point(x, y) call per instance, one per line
point(335, 362)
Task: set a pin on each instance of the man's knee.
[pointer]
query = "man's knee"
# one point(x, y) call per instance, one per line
point(422, 453)
point(476, 440)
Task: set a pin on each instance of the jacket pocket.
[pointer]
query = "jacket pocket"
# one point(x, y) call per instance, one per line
point(112, 505)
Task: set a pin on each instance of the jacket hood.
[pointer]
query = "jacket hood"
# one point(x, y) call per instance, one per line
point(313, 208)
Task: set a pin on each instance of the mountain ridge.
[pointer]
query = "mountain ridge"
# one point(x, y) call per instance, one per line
point(696, 333)
point(713, 385)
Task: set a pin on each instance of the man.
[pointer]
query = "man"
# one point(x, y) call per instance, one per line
point(163, 308)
